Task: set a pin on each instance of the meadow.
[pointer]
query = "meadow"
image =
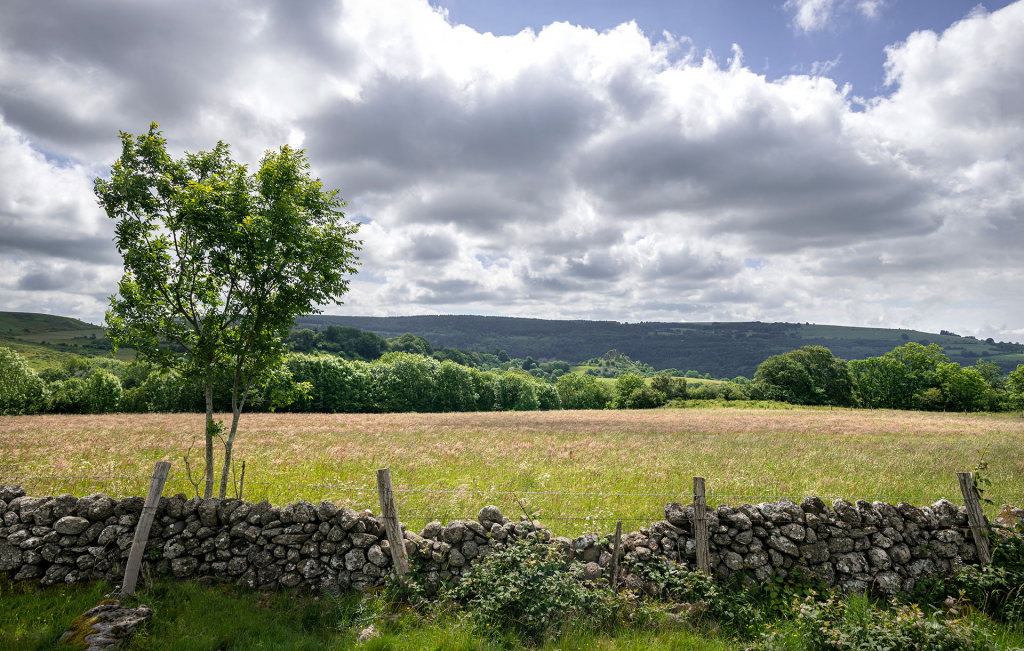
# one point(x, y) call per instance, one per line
point(575, 470)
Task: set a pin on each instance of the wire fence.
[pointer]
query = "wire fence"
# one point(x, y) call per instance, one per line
point(564, 512)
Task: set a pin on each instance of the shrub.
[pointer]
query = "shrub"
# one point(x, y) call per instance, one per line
point(625, 385)
point(547, 396)
point(403, 382)
point(644, 398)
point(672, 387)
point(453, 387)
point(855, 623)
point(515, 391)
point(337, 384)
point(21, 390)
point(104, 391)
point(70, 396)
point(528, 589)
point(581, 392)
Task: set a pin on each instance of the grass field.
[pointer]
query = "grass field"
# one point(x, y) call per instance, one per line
point(550, 460)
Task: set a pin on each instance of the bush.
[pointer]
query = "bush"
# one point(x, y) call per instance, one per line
point(403, 382)
point(672, 387)
point(625, 385)
point(854, 622)
point(104, 391)
point(21, 390)
point(644, 398)
point(69, 397)
point(547, 396)
point(453, 387)
point(515, 391)
point(581, 392)
point(337, 384)
point(528, 589)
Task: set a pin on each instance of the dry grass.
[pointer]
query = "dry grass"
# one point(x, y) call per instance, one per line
point(741, 452)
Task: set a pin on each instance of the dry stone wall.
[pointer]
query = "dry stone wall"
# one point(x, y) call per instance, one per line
point(858, 546)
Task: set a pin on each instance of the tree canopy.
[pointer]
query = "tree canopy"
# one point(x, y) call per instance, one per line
point(219, 261)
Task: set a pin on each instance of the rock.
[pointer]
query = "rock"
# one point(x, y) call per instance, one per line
point(816, 553)
point(326, 510)
point(455, 558)
point(290, 580)
point(208, 512)
point(497, 532)
point(888, 583)
point(310, 568)
point(363, 540)
point(793, 531)
point(946, 513)
point(11, 492)
point(354, 560)
point(377, 556)
point(813, 505)
point(756, 559)
point(367, 634)
point(846, 511)
point(184, 566)
point(783, 544)
point(10, 557)
point(454, 532)
point(879, 559)
point(488, 514)
point(675, 513)
point(107, 626)
point(851, 563)
point(592, 571)
point(303, 512)
point(237, 565)
point(733, 561)
point(432, 530)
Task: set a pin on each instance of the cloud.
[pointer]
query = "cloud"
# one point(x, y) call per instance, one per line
point(558, 173)
point(817, 15)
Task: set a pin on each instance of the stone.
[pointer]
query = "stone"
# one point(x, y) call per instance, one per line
point(355, 559)
point(733, 561)
point(290, 580)
point(783, 544)
point(946, 513)
point(851, 563)
point(888, 583)
point(455, 558)
point(879, 559)
point(367, 634)
point(489, 513)
point(470, 549)
point(363, 540)
point(107, 626)
point(10, 557)
point(675, 513)
point(592, 571)
point(756, 559)
point(377, 556)
point(208, 512)
point(846, 511)
point(454, 532)
point(815, 553)
point(813, 505)
point(497, 532)
point(184, 566)
point(794, 532)
point(432, 530)
point(237, 565)
point(310, 568)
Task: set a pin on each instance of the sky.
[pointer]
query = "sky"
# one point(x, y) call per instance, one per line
point(852, 162)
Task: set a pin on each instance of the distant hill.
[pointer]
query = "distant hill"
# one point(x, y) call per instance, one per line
point(22, 323)
point(721, 349)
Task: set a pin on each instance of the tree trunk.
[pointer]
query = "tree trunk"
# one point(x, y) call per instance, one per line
point(236, 413)
point(210, 429)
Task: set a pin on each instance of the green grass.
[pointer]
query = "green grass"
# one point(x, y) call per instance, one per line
point(192, 617)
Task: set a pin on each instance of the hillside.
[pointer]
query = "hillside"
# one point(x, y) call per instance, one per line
point(721, 349)
point(22, 323)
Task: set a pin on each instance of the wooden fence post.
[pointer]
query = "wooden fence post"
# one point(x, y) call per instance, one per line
point(700, 526)
point(156, 488)
point(389, 512)
point(979, 529)
point(616, 543)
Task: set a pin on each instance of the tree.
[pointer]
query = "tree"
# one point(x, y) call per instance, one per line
point(883, 383)
point(21, 390)
point(580, 392)
point(514, 390)
point(963, 388)
point(1015, 386)
point(672, 387)
point(625, 385)
point(808, 376)
point(104, 392)
point(218, 262)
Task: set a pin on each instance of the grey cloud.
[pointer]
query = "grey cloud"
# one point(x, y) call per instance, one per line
point(434, 248)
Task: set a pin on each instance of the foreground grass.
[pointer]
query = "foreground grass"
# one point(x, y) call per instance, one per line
point(196, 618)
point(649, 457)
